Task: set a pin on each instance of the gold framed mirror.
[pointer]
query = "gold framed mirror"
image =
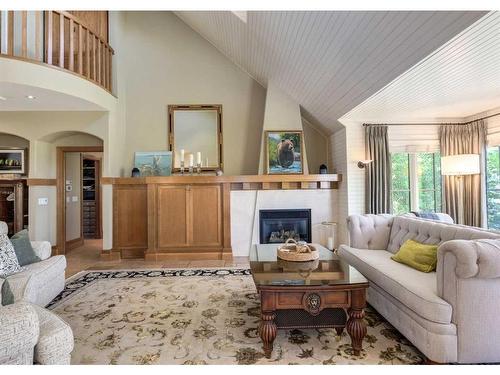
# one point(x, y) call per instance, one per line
point(197, 130)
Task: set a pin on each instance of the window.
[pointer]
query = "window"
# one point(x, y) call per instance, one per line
point(416, 182)
point(493, 187)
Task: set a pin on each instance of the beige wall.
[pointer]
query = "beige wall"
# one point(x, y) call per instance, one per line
point(316, 145)
point(73, 197)
point(166, 62)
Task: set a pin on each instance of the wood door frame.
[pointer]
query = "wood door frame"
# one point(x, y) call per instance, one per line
point(61, 191)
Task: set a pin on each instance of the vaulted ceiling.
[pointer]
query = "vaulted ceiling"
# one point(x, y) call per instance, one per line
point(460, 79)
point(328, 61)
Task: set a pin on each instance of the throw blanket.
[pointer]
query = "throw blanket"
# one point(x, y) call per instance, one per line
point(427, 215)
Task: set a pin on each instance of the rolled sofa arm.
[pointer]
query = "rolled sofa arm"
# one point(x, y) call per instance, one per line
point(19, 331)
point(43, 249)
point(474, 258)
point(369, 231)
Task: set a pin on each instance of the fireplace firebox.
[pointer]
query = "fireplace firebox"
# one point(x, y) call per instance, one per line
point(276, 226)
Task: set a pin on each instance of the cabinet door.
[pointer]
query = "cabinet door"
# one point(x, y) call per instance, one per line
point(206, 211)
point(172, 216)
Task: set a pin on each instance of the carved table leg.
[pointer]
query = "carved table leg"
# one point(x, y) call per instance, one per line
point(267, 331)
point(356, 326)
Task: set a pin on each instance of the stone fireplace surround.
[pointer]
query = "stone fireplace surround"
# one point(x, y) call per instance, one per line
point(245, 207)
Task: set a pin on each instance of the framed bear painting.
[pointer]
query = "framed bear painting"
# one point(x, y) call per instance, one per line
point(284, 152)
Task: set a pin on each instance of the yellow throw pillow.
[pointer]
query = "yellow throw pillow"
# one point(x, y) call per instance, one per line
point(417, 255)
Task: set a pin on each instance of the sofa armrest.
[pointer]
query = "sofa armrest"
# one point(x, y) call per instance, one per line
point(369, 231)
point(468, 278)
point(19, 331)
point(474, 258)
point(43, 249)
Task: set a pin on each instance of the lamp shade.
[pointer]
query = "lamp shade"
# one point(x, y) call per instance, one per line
point(460, 165)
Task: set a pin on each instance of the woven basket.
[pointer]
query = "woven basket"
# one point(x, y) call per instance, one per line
point(295, 252)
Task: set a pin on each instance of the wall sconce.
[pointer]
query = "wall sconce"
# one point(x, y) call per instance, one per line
point(363, 163)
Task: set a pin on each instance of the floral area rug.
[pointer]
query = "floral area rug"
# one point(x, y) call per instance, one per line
point(201, 317)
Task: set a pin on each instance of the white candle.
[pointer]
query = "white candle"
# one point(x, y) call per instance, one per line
point(206, 162)
point(182, 155)
point(198, 158)
point(191, 160)
point(330, 243)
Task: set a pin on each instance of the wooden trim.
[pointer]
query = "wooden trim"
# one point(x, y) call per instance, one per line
point(41, 181)
point(204, 179)
point(73, 244)
point(61, 191)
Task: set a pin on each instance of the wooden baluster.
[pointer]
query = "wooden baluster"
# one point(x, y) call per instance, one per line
point(38, 34)
point(61, 40)
point(50, 37)
point(24, 33)
point(87, 57)
point(71, 45)
point(104, 65)
point(10, 32)
point(98, 50)
point(110, 70)
point(80, 49)
point(93, 58)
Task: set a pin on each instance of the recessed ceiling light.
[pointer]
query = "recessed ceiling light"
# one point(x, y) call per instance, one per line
point(31, 97)
point(3, 98)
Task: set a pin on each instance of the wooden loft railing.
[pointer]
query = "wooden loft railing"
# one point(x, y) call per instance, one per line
point(59, 39)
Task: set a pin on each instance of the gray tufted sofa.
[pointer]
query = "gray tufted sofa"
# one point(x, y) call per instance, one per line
point(40, 282)
point(451, 315)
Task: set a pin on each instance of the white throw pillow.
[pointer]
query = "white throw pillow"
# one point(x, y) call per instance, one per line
point(8, 259)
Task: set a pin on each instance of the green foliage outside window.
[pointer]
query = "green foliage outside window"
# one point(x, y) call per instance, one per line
point(428, 176)
point(493, 187)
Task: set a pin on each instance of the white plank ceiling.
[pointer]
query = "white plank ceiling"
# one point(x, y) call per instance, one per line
point(328, 61)
point(460, 79)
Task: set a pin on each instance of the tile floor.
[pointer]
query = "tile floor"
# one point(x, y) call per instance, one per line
point(87, 257)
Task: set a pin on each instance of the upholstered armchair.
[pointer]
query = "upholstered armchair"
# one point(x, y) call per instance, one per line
point(31, 334)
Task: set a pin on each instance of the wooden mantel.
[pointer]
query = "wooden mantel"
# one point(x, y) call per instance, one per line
point(244, 182)
point(187, 217)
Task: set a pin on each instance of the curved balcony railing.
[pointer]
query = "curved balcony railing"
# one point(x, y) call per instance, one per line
point(59, 39)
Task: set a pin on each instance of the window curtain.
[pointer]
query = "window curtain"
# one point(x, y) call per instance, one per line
point(464, 139)
point(378, 173)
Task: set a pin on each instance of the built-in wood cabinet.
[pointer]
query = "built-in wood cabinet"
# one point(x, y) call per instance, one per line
point(189, 216)
point(175, 221)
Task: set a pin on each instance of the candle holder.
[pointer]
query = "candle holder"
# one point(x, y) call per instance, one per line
point(182, 167)
point(191, 170)
point(198, 168)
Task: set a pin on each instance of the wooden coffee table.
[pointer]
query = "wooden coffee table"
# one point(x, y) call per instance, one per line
point(327, 293)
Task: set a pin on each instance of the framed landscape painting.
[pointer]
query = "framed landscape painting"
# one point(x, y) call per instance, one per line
point(12, 161)
point(284, 152)
point(154, 163)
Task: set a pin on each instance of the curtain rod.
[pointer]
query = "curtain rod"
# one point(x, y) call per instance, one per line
point(437, 123)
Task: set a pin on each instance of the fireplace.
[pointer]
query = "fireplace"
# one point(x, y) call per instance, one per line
point(276, 226)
